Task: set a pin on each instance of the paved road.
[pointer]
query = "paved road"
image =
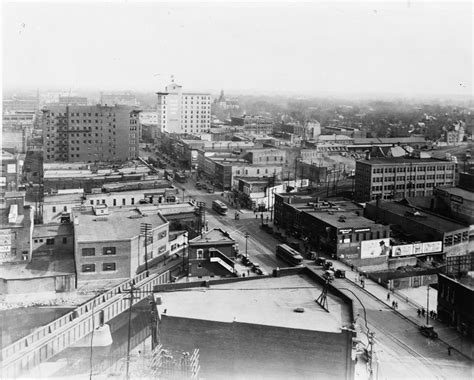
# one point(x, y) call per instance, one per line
point(400, 350)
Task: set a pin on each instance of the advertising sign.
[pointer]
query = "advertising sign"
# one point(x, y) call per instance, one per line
point(374, 248)
point(345, 230)
point(402, 250)
point(367, 229)
point(11, 168)
point(432, 247)
point(3, 181)
point(417, 248)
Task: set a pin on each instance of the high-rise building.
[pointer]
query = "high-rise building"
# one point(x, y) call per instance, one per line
point(395, 178)
point(183, 112)
point(90, 133)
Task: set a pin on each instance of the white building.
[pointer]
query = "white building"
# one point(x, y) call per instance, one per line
point(183, 112)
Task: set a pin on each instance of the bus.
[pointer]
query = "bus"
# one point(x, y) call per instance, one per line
point(220, 207)
point(290, 255)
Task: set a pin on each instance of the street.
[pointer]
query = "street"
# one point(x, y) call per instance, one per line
point(398, 343)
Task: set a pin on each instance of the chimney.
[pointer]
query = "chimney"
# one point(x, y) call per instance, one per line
point(367, 155)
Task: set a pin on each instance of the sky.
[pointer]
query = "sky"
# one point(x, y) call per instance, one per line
point(408, 47)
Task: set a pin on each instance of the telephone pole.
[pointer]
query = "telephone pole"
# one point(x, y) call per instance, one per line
point(145, 228)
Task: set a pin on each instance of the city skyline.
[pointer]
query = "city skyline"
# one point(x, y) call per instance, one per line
point(317, 48)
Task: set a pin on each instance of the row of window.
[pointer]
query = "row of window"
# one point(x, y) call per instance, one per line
point(457, 238)
point(105, 251)
point(106, 267)
point(412, 178)
point(412, 169)
point(50, 241)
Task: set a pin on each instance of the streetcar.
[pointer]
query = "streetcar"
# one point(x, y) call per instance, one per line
point(288, 254)
point(219, 207)
point(180, 177)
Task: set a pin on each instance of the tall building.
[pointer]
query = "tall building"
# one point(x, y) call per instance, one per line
point(391, 178)
point(90, 133)
point(183, 112)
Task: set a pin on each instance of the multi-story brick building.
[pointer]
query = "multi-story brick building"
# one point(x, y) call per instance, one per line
point(109, 244)
point(183, 112)
point(392, 178)
point(90, 133)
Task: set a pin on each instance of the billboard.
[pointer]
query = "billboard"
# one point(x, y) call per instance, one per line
point(402, 250)
point(417, 248)
point(432, 247)
point(374, 248)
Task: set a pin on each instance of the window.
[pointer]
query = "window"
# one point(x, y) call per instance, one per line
point(54, 208)
point(199, 253)
point(88, 251)
point(64, 240)
point(161, 235)
point(115, 202)
point(108, 251)
point(162, 249)
point(123, 201)
point(133, 201)
point(65, 208)
point(49, 241)
point(88, 268)
point(107, 267)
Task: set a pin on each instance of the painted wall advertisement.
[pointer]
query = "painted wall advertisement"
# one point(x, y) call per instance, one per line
point(5, 246)
point(374, 248)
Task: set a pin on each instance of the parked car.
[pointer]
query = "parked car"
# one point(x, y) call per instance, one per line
point(340, 273)
point(255, 267)
point(328, 265)
point(428, 331)
point(246, 261)
point(320, 261)
point(328, 275)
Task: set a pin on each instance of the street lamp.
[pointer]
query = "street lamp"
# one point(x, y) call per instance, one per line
point(144, 229)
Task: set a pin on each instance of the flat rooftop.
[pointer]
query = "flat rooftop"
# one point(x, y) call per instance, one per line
point(468, 195)
point(44, 267)
point(352, 220)
point(402, 160)
point(431, 220)
point(265, 301)
point(119, 224)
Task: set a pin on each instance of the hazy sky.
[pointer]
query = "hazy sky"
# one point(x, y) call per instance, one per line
point(405, 47)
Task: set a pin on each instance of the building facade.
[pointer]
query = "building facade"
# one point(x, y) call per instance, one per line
point(90, 133)
point(395, 178)
point(456, 303)
point(183, 112)
point(109, 245)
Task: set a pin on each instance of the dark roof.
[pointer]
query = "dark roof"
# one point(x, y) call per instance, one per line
point(402, 160)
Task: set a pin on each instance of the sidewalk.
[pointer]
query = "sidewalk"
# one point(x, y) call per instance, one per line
point(408, 308)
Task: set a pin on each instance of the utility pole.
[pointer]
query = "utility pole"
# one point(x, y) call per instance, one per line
point(145, 228)
point(131, 290)
point(427, 304)
point(246, 238)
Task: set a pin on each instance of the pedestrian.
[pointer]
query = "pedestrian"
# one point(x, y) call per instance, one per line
point(267, 218)
point(418, 311)
point(352, 267)
point(248, 272)
point(422, 311)
point(396, 304)
point(388, 296)
point(449, 350)
point(256, 216)
point(393, 304)
point(431, 313)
